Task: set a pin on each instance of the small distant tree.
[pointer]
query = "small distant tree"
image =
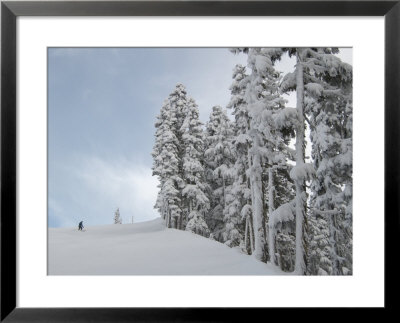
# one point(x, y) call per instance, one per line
point(117, 217)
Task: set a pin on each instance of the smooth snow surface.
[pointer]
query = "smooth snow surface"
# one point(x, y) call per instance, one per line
point(146, 248)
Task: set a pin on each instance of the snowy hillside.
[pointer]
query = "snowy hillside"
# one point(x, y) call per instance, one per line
point(147, 248)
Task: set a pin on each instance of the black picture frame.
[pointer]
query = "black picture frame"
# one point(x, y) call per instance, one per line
point(10, 10)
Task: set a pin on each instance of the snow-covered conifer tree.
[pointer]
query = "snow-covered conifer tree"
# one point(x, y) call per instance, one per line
point(117, 217)
point(263, 101)
point(178, 101)
point(315, 72)
point(302, 171)
point(329, 104)
point(178, 161)
point(162, 126)
point(238, 209)
point(195, 201)
point(167, 160)
point(254, 172)
point(219, 158)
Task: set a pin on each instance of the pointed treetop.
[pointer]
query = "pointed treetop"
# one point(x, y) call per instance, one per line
point(180, 87)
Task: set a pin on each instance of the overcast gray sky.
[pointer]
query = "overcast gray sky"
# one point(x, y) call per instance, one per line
point(102, 104)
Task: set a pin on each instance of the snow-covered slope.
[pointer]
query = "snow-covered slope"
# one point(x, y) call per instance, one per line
point(146, 248)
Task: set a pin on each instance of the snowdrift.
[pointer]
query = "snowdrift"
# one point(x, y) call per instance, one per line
point(147, 248)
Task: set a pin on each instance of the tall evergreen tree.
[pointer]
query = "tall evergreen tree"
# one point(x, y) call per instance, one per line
point(239, 205)
point(196, 203)
point(178, 163)
point(252, 95)
point(302, 171)
point(315, 69)
point(268, 106)
point(219, 158)
point(263, 101)
point(167, 157)
point(178, 101)
point(330, 108)
point(169, 172)
point(163, 127)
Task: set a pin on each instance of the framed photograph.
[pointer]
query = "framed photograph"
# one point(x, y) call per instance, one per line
point(197, 160)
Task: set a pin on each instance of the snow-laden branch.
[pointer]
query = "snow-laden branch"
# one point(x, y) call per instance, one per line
point(302, 172)
point(286, 118)
point(286, 212)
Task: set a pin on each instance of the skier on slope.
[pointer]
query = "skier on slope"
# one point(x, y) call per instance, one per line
point(80, 226)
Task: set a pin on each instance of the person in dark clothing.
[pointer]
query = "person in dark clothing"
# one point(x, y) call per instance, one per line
point(80, 227)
